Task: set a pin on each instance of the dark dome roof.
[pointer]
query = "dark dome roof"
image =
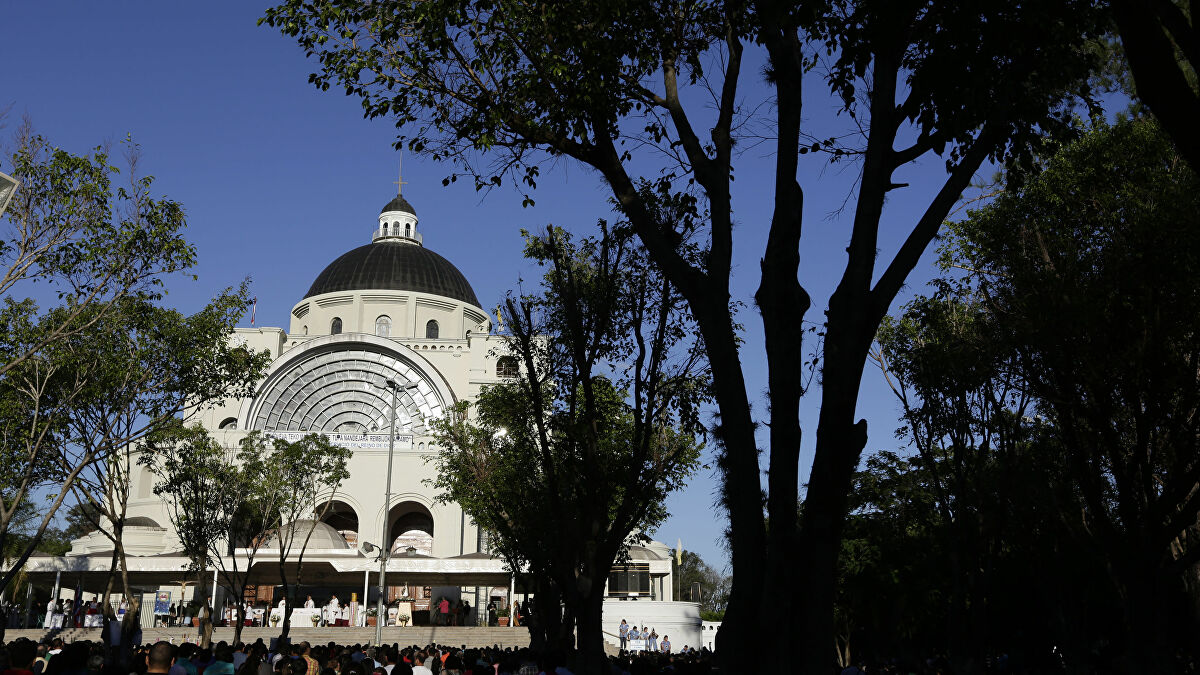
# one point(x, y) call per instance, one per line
point(399, 203)
point(141, 521)
point(396, 266)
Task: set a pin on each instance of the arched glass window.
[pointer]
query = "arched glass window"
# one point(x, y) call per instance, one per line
point(383, 326)
point(506, 367)
point(229, 423)
point(407, 230)
point(306, 330)
point(336, 327)
point(431, 329)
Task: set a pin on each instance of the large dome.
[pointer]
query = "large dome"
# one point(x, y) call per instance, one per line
point(395, 266)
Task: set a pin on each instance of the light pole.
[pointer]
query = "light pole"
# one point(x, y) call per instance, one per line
point(386, 547)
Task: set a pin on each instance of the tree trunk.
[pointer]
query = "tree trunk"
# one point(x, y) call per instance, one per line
point(19, 564)
point(591, 659)
point(201, 585)
point(1145, 608)
point(131, 622)
point(285, 621)
point(240, 614)
point(840, 442)
point(564, 640)
point(741, 492)
point(544, 620)
point(112, 571)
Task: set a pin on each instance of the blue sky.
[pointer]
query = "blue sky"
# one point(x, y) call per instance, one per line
point(278, 178)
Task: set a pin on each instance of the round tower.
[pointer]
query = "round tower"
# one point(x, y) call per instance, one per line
point(398, 221)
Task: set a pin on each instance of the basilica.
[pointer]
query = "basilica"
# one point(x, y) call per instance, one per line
point(388, 321)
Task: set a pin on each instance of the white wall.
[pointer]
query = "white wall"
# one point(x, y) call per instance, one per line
point(708, 630)
point(678, 620)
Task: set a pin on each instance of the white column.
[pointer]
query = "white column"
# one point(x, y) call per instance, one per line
point(512, 592)
point(362, 606)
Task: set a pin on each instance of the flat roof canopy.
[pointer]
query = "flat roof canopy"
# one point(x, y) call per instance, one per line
point(319, 570)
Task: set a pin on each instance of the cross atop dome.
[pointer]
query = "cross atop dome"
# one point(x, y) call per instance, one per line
point(398, 219)
point(400, 182)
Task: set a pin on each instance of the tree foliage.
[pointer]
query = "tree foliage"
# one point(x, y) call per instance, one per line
point(227, 504)
point(652, 96)
point(298, 480)
point(713, 586)
point(1162, 41)
point(1048, 388)
point(569, 460)
point(85, 379)
point(1105, 241)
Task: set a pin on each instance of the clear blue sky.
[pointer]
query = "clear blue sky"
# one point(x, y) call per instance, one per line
point(278, 178)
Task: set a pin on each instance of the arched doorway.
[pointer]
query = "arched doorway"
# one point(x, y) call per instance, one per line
point(410, 530)
point(342, 517)
point(410, 525)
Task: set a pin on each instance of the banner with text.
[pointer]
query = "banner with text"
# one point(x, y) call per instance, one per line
point(352, 441)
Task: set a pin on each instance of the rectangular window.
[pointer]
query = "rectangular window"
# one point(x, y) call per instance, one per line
point(626, 580)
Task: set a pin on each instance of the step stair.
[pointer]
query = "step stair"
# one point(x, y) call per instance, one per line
point(454, 636)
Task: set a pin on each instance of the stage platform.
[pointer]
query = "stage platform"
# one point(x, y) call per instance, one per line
point(410, 635)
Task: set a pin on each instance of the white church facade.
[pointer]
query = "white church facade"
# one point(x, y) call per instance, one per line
point(391, 309)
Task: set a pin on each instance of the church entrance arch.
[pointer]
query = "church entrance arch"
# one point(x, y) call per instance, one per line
point(410, 525)
point(342, 517)
point(410, 530)
point(338, 384)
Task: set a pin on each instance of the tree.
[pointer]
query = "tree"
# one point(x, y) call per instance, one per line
point(224, 502)
point(1091, 265)
point(965, 410)
point(562, 465)
point(712, 585)
point(191, 469)
point(154, 364)
point(627, 87)
point(300, 480)
point(224, 499)
point(1162, 42)
point(95, 246)
point(82, 519)
point(92, 243)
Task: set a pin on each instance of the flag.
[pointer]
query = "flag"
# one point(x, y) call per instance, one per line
point(253, 309)
point(679, 551)
point(77, 610)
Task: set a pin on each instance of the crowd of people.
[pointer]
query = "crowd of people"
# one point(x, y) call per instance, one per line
point(24, 657)
point(67, 613)
point(643, 640)
point(442, 612)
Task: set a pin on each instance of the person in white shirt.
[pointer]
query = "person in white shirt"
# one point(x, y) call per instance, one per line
point(419, 661)
point(309, 604)
point(332, 610)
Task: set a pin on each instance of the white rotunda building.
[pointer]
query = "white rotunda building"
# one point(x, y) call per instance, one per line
point(391, 309)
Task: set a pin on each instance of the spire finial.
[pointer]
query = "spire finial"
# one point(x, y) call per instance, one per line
point(400, 182)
